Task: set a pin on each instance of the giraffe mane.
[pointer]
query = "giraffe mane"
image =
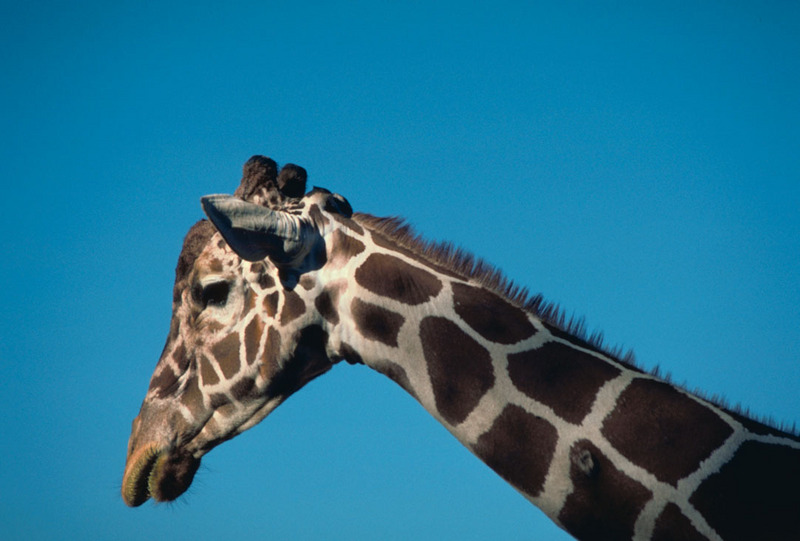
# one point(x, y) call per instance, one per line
point(469, 267)
point(466, 265)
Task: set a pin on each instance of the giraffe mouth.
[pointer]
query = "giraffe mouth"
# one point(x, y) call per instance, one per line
point(154, 472)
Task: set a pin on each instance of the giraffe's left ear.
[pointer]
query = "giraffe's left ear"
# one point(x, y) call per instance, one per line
point(255, 232)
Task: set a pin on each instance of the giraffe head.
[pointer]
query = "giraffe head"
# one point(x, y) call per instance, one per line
point(241, 338)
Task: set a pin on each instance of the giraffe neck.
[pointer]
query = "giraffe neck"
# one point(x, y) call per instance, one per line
point(605, 450)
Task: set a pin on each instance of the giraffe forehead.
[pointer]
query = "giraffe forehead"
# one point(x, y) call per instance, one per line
point(217, 258)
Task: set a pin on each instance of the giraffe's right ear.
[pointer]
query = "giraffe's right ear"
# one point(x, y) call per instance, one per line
point(255, 232)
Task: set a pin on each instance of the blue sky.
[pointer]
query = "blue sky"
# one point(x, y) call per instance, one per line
point(638, 165)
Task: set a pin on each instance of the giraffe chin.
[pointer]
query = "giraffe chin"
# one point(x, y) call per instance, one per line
point(153, 472)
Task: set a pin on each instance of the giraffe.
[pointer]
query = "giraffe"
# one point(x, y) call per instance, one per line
point(279, 285)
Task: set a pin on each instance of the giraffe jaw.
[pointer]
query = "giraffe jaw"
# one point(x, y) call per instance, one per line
point(159, 473)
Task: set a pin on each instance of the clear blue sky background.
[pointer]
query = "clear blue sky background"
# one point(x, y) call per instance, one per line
point(638, 165)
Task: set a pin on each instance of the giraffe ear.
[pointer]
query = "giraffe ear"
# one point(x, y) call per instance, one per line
point(255, 232)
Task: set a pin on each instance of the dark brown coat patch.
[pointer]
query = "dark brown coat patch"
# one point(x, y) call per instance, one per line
point(244, 388)
point(396, 373)
point(672, 524)
point(252, 337)
point(271, 304)
point(317, 217)
point(217, 400)
point(265, 281)
point(293, 307)
point(272, 351)
point(376, 323)
point(490, 315)
point(192, 398)
point(561, 377)
point(164, 380)
point(325, 304)
point(662, 430)
point(207, 372)
point(349, 354)
point(460, 368)
point(391, 277)
point(226, 352)
point(181, 358)
point(603, 506)
point(519, 447)
point(759, 481)
point(344, 247)
point(307, 282)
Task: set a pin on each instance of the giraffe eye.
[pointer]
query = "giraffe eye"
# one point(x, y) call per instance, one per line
point(212, 294)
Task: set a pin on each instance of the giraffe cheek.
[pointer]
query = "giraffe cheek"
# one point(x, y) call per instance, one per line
point(252, 336)
point(271, 357)
point(227, 354)
point(192, 397)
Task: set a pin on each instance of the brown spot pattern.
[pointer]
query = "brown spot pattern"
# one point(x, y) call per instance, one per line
point(349, 354)
point(325, 304)
point(490, 315)
point(759, 481)
point(603, 506)
point(192, 398)
point(672, 524)
point(376, 323)
point(251, 299)
point(391, 277)
point(243, 388)
point(226, 352)
point(561, 377)
point(316, 215)
point(662, 430)
point(307, 282)
point(218, 400)
point(180, 358)
point(460, 368)
point(207, 372)
point(293, 307)
point(271, 304)
point(344, 247)
point(308, 361)
point(265, 281)
point(272, 351)
point(519, 447)
point(163, 381)
point(252, 337)
point(396, 373)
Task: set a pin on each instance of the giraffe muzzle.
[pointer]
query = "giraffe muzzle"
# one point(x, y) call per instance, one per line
point(152, 472)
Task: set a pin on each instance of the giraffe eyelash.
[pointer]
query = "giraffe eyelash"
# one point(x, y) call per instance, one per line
point(214, 293)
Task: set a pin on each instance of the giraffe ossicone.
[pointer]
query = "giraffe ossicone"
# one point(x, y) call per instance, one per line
point(280, 285)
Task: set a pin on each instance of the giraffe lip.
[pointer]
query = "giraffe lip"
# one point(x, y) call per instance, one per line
point(158, 473)
point(136, 481)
